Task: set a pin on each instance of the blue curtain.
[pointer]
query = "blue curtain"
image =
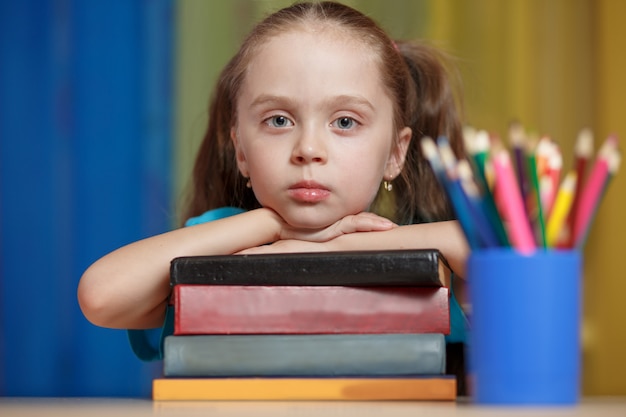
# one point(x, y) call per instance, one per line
point(85, 132)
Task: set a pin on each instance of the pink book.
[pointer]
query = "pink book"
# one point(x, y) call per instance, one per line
point(251, 309)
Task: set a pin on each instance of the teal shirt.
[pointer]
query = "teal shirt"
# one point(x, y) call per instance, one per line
point(148, 344)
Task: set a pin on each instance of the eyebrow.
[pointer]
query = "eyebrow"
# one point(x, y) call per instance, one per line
point(341, 100)
point(264, 99)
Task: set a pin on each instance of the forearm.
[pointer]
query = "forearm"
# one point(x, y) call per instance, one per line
point(447, 237)
point(128, 288)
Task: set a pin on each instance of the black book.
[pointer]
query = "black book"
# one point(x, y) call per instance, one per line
point(423, 267)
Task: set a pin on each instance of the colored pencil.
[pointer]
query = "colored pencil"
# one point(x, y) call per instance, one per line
point(517, 138)
point(549, 182)
point(605, 166)
point(459, 198)
point(512, 205)
point(479, 151)
point(477, 145)
point(543, 150)
point(452, 187)
point(477, 206)
point(583, 150)
point(534, 205)
point(429, 149)
point(562, 206)
point(546, 194)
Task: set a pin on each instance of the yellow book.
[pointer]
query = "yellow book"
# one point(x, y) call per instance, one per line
point(440, 387)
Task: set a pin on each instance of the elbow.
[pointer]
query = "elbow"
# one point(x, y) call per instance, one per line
point(107, 302)
point(93, 300)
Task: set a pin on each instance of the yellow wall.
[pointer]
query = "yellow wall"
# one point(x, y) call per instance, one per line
point(557, 66)
point(605, 366)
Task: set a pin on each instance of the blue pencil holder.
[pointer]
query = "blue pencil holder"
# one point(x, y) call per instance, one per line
point(525, 327)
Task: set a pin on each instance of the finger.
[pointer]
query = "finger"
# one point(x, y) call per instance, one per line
point(368, 214)
point(364, 222)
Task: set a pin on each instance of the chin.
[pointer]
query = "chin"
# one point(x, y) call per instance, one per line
point(311, 221)
point(305, 224)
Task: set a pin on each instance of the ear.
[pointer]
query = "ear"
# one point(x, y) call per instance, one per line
point(395, 163)
point(239, 153)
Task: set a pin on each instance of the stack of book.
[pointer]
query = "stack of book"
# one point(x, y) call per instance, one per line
point(309, 326)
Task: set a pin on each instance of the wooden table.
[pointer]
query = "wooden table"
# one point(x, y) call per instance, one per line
point(96, 407)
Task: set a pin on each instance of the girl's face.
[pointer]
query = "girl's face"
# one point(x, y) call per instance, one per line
point(314, 129)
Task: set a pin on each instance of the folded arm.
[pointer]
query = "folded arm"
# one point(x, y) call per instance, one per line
point(129, 287)
point(446, 236)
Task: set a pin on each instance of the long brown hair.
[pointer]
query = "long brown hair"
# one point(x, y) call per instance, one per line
point(417, 80)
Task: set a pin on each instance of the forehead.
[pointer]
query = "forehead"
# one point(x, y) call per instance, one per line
point(323, 60)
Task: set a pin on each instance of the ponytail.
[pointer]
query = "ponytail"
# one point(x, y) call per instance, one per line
point(435, 112)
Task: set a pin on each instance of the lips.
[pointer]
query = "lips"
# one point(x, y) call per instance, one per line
point(308, 192)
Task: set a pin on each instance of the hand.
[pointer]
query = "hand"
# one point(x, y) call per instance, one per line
point(362, 222)
point(319, 240)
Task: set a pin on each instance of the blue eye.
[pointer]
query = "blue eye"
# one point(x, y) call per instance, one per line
point(279, 121)
point(345, 123)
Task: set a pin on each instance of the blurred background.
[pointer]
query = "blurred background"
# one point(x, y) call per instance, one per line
point(103, 105)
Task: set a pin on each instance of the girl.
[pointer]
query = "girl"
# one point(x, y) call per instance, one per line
point(317, 109)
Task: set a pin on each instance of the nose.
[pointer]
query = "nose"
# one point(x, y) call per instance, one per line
point(309, 147)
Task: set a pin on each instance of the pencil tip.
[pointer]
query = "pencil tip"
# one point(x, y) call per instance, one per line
point(614, 161)
point(517, 135)
point(482, 141)
point(469, 139)
point(584, 143)
point(429, 149)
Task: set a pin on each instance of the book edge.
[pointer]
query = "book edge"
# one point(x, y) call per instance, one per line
point(345, 389)
point(437, 265)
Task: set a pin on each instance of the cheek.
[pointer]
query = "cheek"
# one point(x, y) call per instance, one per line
point(362, 173)
point(369, 162)
point(263, 162)
point(266, 173)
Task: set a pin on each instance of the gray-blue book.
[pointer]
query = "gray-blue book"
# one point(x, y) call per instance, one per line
point(325, 355)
